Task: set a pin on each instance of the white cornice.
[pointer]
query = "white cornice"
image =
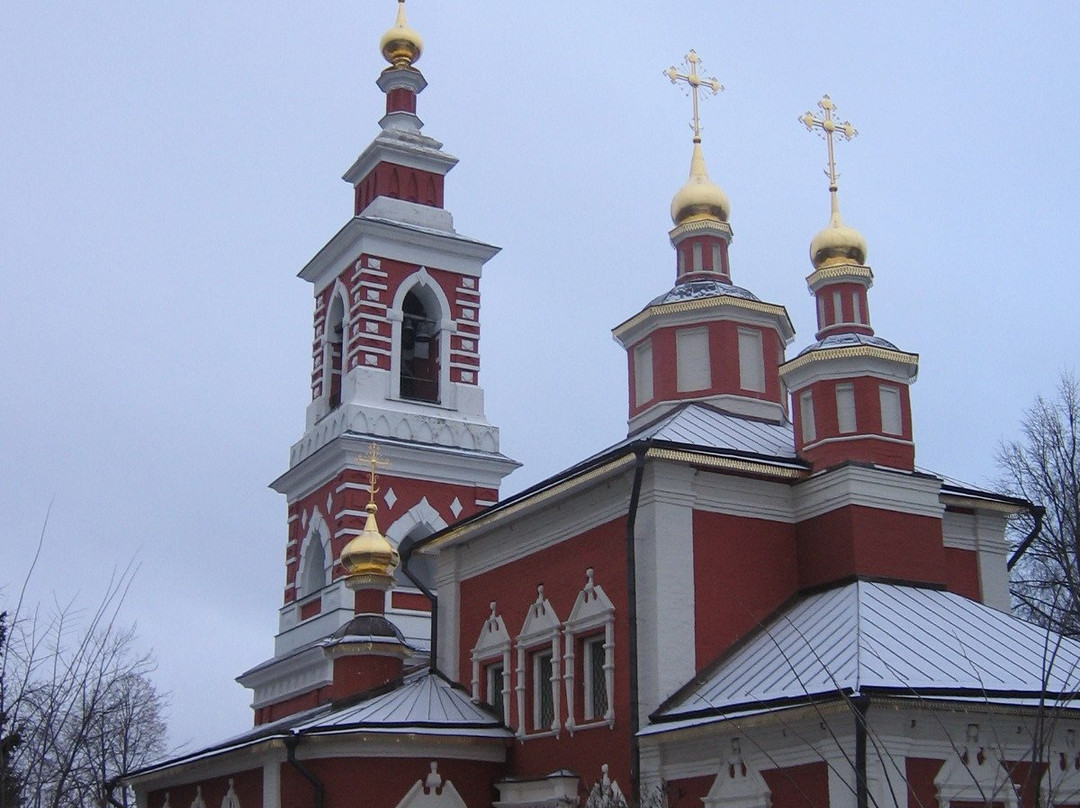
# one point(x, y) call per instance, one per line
point(869, 486)
point(718, 308)
point(409, 244)
point(418, 461)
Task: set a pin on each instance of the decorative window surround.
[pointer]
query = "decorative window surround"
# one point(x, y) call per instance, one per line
point(432, 792)
point(738, 785)
point(974, 775)
point(492, 644)
point(592, 610)
point(230, 800)
point(541, 629)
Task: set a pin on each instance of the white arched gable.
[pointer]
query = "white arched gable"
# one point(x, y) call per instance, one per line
point(738, 785)
point(432, 792)
point(593, 613)
point(493, 646)
point(975, 774)
point(541, 628)
point(422, 513)
point(424, 280)
point(309, 554)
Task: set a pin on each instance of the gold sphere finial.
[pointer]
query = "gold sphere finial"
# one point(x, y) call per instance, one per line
point(401, 46)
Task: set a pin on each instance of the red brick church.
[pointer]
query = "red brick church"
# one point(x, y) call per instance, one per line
point(756, 599)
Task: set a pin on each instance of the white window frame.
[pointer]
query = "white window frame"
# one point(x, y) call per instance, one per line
point(892, 419)
point(844, 393)
point(540, 632)
point(644, 390)
point(806, 416)
point(691, 348)
point(492, 647)
point(752, 360)
point(593, 610)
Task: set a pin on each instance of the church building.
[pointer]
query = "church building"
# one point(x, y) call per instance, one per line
point(754, 600)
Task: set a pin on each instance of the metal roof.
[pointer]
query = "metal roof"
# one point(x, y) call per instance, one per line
point(704, 427)
point(425, 704)
point(693, 290)
point(869, 637)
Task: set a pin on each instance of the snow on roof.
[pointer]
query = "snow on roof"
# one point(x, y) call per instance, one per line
point(698, 289)
point(869, 637)
point(846, 341)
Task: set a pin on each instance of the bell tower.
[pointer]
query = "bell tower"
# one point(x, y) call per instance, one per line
point(395, 364)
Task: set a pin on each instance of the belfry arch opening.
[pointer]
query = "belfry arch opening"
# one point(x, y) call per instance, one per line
point(420, 346)
point(335, 350)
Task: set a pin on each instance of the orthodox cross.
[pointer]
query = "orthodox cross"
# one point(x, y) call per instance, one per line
point(828, 127)
point(694, 81)
point(373, 461)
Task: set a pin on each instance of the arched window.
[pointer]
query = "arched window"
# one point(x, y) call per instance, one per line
point(420, 346)
point(313, 569)
point(335, 344)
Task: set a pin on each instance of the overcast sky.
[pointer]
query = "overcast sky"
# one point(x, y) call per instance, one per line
point(167, 168)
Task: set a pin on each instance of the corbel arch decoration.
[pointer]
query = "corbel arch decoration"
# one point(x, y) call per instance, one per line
point(491, 665)
point(738, 785)
point(420, 370)
point(432, 792)
point(316, 558)
point(975, 774)
point(538, 649)
point(198, 802)
point(590, 630)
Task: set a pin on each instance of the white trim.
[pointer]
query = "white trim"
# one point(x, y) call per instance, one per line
point(592, 609)
point(859, 436)
point(541, 628)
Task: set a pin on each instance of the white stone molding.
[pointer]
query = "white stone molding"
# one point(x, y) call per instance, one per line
point(1061, 780)
point(592, 610)
point(556, 790)
point(316, 527)
point(422, 513)
point(198, 802)
point(230, 800)
point(432, 792)
point(493, 643)
point(974, 775)
point(738, 785)
point(541, 628)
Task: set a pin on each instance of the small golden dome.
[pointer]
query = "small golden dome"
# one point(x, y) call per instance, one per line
point(837, 243)
point(369, 559)
point(401, 45)
point(700, 198)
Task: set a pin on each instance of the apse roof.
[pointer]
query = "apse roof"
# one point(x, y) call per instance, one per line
point(692, 290)
point(425, 704)
point(870, 638)
point(703, 426)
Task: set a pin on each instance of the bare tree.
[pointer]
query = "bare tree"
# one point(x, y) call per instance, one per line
point(1043, 466)
point(77, 703)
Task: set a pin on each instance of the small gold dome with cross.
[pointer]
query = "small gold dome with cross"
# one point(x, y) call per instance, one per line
point(401, 45)
point(369, 559)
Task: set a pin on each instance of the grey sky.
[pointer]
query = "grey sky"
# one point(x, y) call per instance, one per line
point(168, 168)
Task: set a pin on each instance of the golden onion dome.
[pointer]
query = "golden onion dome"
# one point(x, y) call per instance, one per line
point(837, 243)
point(369, 559)
point(700, 198)
point(401, 45)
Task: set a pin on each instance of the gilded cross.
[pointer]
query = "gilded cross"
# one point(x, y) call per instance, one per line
point(373, 460)
point(694, 81)
point(829, 127)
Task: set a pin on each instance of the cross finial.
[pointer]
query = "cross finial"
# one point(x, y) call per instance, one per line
point(374, 461)
point(694, 81)
point(829, 127)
